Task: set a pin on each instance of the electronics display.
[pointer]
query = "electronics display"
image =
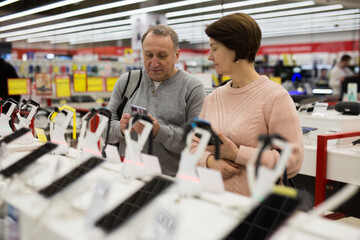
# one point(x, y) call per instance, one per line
point(266, 218)
point(15, 135)
point(58, 185)
point(133, 204)
point(138, 109)
point(23, 163)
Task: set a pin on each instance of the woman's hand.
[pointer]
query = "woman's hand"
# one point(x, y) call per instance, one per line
point(227, 168)
point(228, 149)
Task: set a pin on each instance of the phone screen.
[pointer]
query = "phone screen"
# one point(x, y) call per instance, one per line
point(58, 185)
point(23, 163)
point(138, 109)
point(133, 204)
point(15, 135)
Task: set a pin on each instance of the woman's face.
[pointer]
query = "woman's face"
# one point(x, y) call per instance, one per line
point(222, 57)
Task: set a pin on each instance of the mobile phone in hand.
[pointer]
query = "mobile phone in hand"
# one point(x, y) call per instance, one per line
point(211, 141)
point(138, 109)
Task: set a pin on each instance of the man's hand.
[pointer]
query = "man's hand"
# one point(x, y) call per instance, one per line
point(227, 168)
point(228, 150)
point(156, 125)
point(124, 121)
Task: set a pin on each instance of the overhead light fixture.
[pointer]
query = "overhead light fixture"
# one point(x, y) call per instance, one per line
point(69, 30)
point(7, 2)
point(247, 11)
point(217, 7)
point(106, 17)
point(39, 9)
point(70, 14)
point(79, 35)
point(103, 38)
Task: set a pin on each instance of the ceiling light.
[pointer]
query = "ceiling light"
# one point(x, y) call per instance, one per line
point(216, 7)
point(105, 17)
point(7, 2)
point(247, 11)
point(39, 9)
point(69, 30)
point(70, 14)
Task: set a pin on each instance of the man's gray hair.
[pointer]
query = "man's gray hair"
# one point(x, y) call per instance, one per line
point(163, 30)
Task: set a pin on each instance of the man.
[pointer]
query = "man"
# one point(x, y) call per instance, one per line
point(171, 96)
point(338, 74)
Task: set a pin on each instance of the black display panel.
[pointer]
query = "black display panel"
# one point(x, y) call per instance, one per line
point(24, 162)
point(133, 204)
point(15, 135)
point(265, 219)
point(58, 185)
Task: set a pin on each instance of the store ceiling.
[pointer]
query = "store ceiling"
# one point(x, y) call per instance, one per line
point(341, 15)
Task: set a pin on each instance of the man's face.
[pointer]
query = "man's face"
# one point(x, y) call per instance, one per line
point(159, 57)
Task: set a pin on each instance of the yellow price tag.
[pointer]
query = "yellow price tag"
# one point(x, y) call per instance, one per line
point(95, 84)
point(80, 81)
point(110, 83)
point(62, 84)
point(41, 135)
point(18, 86)
point(276, 79)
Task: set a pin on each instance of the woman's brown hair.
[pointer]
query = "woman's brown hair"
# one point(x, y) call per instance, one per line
point(238, 32)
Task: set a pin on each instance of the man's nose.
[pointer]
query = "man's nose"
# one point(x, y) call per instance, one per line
point(154, 63)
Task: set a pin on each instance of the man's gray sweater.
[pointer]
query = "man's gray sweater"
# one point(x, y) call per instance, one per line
point(175, 102)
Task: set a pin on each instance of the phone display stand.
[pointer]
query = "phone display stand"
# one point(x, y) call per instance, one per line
point(25, 122)
point(59, 126)
point(134, 166)
point(88, 141)
point(187, 178)
point(263, 185)
point(5, 128)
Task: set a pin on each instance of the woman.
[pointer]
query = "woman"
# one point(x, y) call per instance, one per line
point(247, 106)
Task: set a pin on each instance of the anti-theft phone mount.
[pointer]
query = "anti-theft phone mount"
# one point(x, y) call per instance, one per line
point(24, 122)
point(262, 179)
point(59, 125)
point(187, 177)
point(88, 140)
point(134, 166)
point(5, 128)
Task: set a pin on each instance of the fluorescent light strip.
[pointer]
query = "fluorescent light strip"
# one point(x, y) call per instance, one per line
point(290, 27)
point(69, 30)
point(71, 14)
point(103, 38)
point(106, 17)
point(297, 11)
point(7, 2)
point(83, 34)
point(247, 11)
point(39, 9)
point(216, 7)
point(309, 16)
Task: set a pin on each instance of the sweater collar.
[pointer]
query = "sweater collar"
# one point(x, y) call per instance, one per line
point(232, 90)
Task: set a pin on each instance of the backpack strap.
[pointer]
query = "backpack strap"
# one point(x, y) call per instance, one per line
point(132, 84)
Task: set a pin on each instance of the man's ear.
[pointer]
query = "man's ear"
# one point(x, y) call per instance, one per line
point(177, 54)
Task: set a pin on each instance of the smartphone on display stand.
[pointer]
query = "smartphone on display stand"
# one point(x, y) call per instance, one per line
point(138, 109)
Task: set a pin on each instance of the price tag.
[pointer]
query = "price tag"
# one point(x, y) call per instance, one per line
point(165, 225)
point(95, 84)
point(320, 109)
point(41, 135)
point(112, 154)
point(18, 86)
point(211, 180)
point(110, 83)
point(79, 81)
point(151, 164)
point(62, 84)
